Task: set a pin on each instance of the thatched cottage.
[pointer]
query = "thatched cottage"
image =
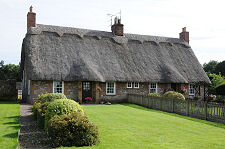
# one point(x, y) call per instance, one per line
point(106, 65)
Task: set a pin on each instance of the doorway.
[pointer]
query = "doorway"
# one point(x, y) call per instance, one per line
point(86, 90)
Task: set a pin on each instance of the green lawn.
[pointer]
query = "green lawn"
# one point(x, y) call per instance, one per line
point(9, 125)
point(135, 127)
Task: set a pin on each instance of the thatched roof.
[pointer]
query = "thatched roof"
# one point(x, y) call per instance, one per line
point(70, 54)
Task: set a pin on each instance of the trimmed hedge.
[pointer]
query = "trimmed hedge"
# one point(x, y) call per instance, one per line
point(48, 97)
point(61, 107)
point(172, 94)
point(154, 95)
point(73, 130)
point(34, 109)
point(41, 113)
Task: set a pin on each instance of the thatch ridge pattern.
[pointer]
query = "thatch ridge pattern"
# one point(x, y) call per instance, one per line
point(71, 54)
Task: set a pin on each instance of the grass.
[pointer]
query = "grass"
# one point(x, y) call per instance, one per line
point(9, 125)
point(134, 127)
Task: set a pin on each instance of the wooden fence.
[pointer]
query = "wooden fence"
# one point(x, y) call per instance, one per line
point(198, 109)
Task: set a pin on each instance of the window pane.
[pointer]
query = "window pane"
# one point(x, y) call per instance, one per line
point(110, 88)
point(129, 85)
point(58, 87)
point(136, 85)
point(153, 88)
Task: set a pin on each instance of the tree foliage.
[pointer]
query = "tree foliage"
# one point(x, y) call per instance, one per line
point(210, 66)
point(220, 68)
point(220, 89)
point(215, 81)
point(9, 71)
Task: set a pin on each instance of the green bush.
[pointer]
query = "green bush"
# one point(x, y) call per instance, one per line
point(220, 89)
point(172, 94)
point(61, 107)
point(154, 94)
point(48, 97)
point(41, 113)
point(34, 109)
point(72, 130)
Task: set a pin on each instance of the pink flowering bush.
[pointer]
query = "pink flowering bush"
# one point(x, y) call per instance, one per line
point(88, 99)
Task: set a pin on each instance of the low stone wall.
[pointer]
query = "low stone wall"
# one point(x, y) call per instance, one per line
point(8, 89)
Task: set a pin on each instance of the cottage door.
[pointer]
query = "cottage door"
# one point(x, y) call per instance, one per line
point(174, 86)
point(86, 90)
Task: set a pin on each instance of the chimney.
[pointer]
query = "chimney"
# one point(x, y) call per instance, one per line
point(117, 27)
point(184, 35)
point(31, 18)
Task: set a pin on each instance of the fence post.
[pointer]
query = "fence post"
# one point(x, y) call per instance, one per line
point(187, 107)
point(206, 110)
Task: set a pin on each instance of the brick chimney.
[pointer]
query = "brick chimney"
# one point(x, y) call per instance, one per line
point(31, 18)
point(117, 27)
point(184, 35)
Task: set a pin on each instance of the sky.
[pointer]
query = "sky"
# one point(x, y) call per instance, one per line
point(204, 19)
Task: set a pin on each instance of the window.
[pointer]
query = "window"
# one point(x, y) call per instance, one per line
point(129, 85)
point(153, 88)
point(110, 88)
point(136, 85)
point(191, 89)
point(58, 87)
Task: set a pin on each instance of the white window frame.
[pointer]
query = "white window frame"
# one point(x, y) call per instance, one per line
point(62, 86)
point(191, 94)
point(137, 84)
point(156, 88)
point(130, 84)
point(114, 89)
point(28, 87)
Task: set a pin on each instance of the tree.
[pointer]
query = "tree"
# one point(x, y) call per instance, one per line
point(215, 81)
point(210, 66)
point(220, 68)
point(9, 71)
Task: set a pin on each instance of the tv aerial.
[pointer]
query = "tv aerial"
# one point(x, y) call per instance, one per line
point(118, 15)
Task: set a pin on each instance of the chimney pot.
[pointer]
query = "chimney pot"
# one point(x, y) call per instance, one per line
point(31, 8)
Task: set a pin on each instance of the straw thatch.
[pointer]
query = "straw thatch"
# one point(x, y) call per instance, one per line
point(70, 54)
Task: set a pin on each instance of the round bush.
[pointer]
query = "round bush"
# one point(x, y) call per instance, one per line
point(154, 94)
point(48, 97)
point(61, 107)
point(72, 130)
point(172, 94)
point(41, 113)
point(34, 109)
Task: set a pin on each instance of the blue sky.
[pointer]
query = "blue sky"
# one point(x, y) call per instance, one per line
point(204, 20)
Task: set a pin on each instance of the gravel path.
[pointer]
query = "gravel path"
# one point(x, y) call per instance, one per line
point(31, 136)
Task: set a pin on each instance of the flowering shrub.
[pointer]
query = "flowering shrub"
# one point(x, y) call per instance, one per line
point(48, 97)
point(88, 99)
point(176, 95)
point(212, 97)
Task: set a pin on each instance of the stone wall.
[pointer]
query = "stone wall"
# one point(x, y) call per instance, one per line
point(41, 87)
point(122, 91)
point(8, 89)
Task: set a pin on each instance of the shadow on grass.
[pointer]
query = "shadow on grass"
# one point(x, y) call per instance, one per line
point(11, 135)
point(177, 115)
